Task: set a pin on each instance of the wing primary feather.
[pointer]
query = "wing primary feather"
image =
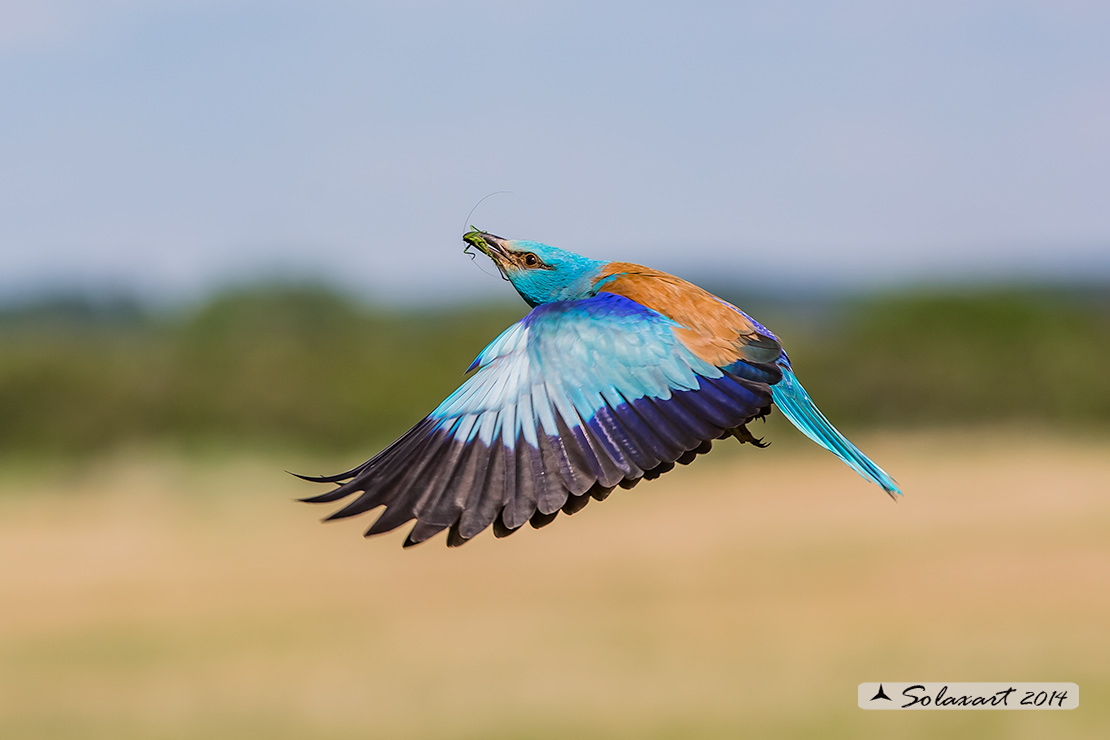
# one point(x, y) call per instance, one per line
point(602, 436)
point(578, 466)
point(397, 512)
point(716, 406)
point(500, 484)
point(600, 492)
point(558, 476)
point(656, 410)
point(461, 486)
point(454, 539)
point(371, 496)
point(651, 440)
point(531, 478)
point(609, 472)
point(365, 472)
point(658, 470)
point(539, 519)
point(392, 487)
point(328, 478)
point(690, 455)
point(622, 442)
point(686, 411)
point(500, 529)
point(575, 504)
point(437, 487)
point(585, 452)
point(454, 481)
point(421, 531)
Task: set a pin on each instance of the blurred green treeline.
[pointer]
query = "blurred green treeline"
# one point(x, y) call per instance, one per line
point(309, 367)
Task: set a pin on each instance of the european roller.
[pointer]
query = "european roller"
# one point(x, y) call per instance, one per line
point(618, 373)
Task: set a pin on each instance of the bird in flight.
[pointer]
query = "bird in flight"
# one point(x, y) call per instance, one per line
point(618, 372)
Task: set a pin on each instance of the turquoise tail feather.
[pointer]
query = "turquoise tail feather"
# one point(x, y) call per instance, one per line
point(796, 405)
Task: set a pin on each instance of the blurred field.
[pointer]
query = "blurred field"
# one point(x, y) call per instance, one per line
point(745, 596)
point(309, 368)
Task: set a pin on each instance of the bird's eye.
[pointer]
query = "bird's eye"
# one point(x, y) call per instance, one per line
point(531, 260)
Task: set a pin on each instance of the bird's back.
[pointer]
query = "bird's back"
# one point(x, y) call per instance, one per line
point(712, 328)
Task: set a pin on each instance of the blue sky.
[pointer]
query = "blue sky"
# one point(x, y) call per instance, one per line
point(170, 146)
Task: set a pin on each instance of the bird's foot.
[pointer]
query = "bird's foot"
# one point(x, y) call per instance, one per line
point(742, 434)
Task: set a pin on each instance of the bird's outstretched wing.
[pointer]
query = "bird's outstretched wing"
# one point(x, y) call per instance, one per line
point(573, 400)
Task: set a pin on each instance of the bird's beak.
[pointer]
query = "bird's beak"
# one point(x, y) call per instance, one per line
point(492, 246)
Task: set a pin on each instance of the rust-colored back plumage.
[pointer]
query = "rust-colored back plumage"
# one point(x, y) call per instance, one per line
point(711, 328)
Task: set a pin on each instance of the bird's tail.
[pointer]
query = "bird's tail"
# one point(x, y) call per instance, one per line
point(798, 407)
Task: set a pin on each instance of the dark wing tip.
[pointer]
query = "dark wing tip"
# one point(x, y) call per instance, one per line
point(421, 532)
point(539, 519)
point(316, 478)
point(454, 536)
point(500, 529)
point(337, 478)
point(326, 498)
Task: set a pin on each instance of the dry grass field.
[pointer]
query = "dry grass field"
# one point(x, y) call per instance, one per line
point(746, 596)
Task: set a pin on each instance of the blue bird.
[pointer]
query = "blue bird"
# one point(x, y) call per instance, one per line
point(617, 373)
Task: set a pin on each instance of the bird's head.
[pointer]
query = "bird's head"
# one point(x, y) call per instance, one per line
point(539, 272)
